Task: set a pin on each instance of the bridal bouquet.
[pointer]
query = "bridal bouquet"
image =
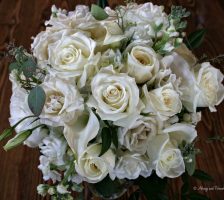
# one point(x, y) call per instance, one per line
point(112, 98)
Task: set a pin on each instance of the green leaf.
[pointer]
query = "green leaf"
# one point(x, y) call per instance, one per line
point(6, 133)
point(106, 140)
point(115, 137)
point(29, 67)
point(153, 187)
point(107, 187)
point(102, 3)
point(17, 140)
point(98, 13)
point(197, 196)
point(190, 166)
point(201, 175)
point(195, 39)
point(161, 43)
point(36, 100)
point(13, 66)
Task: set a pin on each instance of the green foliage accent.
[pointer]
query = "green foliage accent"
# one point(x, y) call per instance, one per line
point(36, 100)
point(17, 140)
point(29, 67)
point(106, 140)
point(160, 44)
point(153, 187)
point(6, 133)
point(114, 137)
point(107, 187)
point(195, 39)
point(201, 175)
point(13, 66)
point(176, 16)
point(135, 195)
point(98, 13)
point(102, 3)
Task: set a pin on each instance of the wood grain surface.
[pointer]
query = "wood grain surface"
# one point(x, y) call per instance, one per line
point(21, 19)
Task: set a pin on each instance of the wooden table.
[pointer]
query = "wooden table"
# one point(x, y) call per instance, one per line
point(21, 19)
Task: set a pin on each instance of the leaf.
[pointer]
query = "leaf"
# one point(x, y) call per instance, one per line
point(6, 133)
point(190, 166)
point(161, 43)
point(36, 100)
point(29, 67)
point(197, 196)
point(201, 175)
point(115, 137)
point(106, 140)
point(107, 187)
point(195, 39)
point(13, 66)
point(98, 13)
point(17, 140)
point(153, 187)
point(135, 195)
point(102, 3)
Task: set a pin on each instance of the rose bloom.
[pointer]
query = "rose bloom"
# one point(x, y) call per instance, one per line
point(115, 96)
point(63, 102)
point(164, 101)
point(142, 64)
point(92, 167)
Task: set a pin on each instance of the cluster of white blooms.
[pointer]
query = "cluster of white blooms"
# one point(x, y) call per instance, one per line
point(104, 74)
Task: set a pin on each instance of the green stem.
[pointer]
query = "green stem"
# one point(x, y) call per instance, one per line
point(69, 172)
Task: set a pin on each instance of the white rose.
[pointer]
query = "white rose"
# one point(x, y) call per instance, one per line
point(63, 102)
point(92, 167)
point(19, 109)
point(209, 80)
point(70, 54)
point(142, 64)
point(140, 133)
point(164, 101)
point(166, 158)
point(115, 96)
point(131, 166)
point(79, 133)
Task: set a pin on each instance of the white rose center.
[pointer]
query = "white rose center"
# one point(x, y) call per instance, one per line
point(143, 58)
point(69, 54)
point(170, 98)
point(168, 160)
point(54, 103)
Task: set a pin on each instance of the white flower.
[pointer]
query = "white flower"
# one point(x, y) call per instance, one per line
point(19, 109)
point(209, 80)
point(92, 167)
point(70, 54)
point(140, 133)
point(142, 64)
point(164, 101)
point(115, 97)
point(192, 118)
point(47, 172)
point(42, 189)
point(166, 158)
point(61, 189)
point(54, 148)
point(79, 133)
point(131, 166)
point(63, 102)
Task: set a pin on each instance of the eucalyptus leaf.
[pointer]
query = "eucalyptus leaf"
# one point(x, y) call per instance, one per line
point(98, 13)
point(195, 39)
point(29, 67)
point(106, 140)
point(17, 140)
point(102, 3)
point(36, 100)
point(201, 175)
point(115, 137)
point(13, 66)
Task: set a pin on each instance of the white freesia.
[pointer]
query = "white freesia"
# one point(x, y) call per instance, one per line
point(19, 109)
point(63, 102)
point(79, 133)
point(140, 133)
point(131, 166)
point(164, 101)
point(166, 158)
point(115, 97)
point(192, 118)
point(92, 167)
point(142, 64)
